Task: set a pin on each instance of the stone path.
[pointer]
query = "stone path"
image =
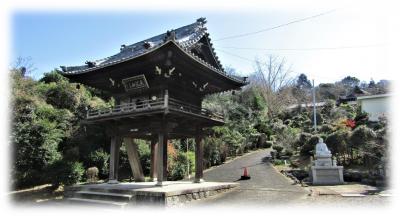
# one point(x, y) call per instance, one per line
point(266, 185)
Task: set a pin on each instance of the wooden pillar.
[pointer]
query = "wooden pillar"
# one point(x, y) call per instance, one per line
point(134, 160)
point(165, 156)
point(114, 158)
point(160, 158)
point(153, 160)
point(199, 157)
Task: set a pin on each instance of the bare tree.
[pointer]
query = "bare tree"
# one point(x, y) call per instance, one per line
point(24, 65)
point(273, 78)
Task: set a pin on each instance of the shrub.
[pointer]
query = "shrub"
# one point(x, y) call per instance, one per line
point(308, 147)
point(261, 140)
point(326, 128)
point(337, 141)
point(144, 155)
point(361, 118)
point(53, 76)
point(279, 162)
point(65, 173)
point(181, 166)
point(328, 107)
point(302, 139)
point(288, 152)
point(278, 149)
point(268, 144)
point(99, 159)
point(361, 135)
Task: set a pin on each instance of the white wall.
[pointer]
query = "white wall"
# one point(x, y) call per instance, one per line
point(376, 107)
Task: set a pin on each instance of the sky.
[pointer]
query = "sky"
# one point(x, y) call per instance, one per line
point(345, 41)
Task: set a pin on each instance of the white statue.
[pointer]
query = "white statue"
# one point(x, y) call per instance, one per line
point(321, 150)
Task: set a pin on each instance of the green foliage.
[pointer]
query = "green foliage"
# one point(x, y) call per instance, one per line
point(64, 172)
point(53, 76)
point(46, 127)
point(278, 149)
point(212, 151)
point(328, 107)
point(308, 147)
point(99, 159)
point(326, 128)
point(288, 152)
point(360, 136)
point(279, 162)
point(144, 154)
point(337, 141)
point(361, 117)
point(268, 144)
point(181, 165)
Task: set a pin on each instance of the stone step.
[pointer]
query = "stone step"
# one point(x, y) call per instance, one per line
point(98, 203)
point(108, 196)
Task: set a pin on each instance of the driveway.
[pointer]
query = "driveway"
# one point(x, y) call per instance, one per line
point(265, 187)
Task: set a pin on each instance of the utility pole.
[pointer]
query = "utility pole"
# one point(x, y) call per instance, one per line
point(315, 112)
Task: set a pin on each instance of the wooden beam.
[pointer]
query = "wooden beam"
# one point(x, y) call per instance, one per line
point(134, 160)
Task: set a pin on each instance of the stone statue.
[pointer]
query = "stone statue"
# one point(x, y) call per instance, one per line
point(324, 171)
point(321, 150)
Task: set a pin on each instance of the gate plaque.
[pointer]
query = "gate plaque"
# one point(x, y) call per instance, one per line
point(135, 83)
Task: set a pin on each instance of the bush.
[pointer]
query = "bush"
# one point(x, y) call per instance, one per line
point(288, 152)
point(65, 173)
point(261, 140)
point(268, 144)
point(361, 135)
point(361, 118)
point(302, 139)
point(326, 128)
point(99, 159)
point(337, 141)
point(307, 148)
point(53, 76)
point(328, 107)
point(144, 155)
point(181, 166)
point(278, 149)
point(279, 162)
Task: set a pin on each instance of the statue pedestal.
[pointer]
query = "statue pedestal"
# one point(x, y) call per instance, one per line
point(324, 172)
point(327, 175)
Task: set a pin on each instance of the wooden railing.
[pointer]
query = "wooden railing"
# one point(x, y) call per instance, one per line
point(185, 107)
point(126, 108)
point(146, 105)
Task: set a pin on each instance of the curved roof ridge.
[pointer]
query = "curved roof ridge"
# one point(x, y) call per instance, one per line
point(186, 36)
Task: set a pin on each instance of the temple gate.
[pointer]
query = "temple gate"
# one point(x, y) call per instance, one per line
point(158, 85)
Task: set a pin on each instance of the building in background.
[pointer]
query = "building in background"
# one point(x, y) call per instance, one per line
point(375, 105)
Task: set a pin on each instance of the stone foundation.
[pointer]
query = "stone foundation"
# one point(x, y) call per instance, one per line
point(145, 193)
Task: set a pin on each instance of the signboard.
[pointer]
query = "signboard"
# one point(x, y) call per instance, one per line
point(135, 83)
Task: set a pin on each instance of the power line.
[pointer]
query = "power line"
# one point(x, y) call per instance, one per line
point(237, 56)
point(303, 49)
point(253, 61)
point(275, 27)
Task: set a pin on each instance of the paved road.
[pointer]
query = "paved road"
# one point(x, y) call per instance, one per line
point(266, 185)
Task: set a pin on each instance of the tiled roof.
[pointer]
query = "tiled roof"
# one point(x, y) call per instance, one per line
point(185, 37)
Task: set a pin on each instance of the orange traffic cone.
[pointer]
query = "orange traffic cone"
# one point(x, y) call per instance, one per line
point(245, 175)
